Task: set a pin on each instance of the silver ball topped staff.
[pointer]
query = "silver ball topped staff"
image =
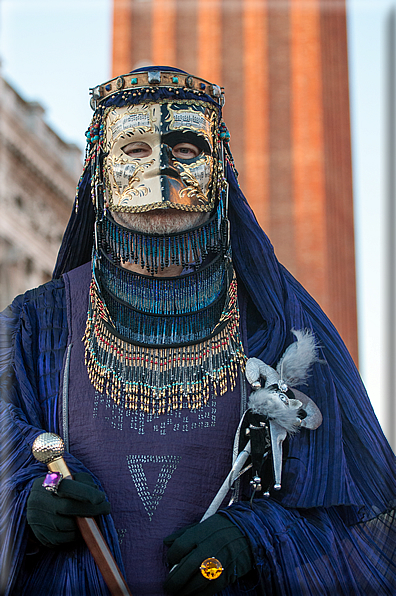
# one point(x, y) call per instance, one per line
point(48, 448)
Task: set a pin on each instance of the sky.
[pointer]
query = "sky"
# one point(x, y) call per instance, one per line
point(52, 51)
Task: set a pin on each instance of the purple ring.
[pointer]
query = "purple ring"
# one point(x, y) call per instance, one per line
point(52, 481)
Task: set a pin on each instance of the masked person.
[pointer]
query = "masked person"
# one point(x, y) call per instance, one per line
point(169, 319)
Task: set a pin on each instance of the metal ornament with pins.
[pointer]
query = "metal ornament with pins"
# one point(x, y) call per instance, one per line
point(48, 448)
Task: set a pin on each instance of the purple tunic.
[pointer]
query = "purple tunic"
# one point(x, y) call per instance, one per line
point(159, 472)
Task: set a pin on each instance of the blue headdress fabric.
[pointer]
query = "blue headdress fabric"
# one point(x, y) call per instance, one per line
point(77, 242)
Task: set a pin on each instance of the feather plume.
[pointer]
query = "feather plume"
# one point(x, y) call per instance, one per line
point(267, 403)
point(295, 363)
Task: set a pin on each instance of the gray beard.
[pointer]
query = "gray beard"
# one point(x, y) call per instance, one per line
point(160, 221)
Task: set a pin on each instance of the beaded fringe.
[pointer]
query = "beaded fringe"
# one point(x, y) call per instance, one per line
point(164, 296)
point(158, 252)
point(145, 327)
point(158, 379)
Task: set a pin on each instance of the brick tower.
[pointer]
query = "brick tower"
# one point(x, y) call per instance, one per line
point(284, 67)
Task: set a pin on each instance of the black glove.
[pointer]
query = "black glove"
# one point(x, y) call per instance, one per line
point(216, 537)
point(51, 516)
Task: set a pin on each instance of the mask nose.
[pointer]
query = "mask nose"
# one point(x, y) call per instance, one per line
point(167, 167)
point(166, 157)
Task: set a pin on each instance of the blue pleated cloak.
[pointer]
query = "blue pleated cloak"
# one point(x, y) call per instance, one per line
point(330, 530)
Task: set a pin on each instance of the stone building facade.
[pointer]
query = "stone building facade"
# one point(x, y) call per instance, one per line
point(38, 176)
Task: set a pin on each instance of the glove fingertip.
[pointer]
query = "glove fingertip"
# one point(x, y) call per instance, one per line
point(169, 540)
point(79, 491)
point(107, 508)
point(98, 498)
point(85, 478)
point(104, 509)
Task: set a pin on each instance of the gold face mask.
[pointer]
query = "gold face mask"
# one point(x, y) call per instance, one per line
point(161, 178)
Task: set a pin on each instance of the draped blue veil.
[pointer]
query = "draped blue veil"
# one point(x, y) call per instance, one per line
point(336, 464)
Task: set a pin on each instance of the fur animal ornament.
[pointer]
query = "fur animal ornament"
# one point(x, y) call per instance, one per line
point(276, 400)
point(287, 410)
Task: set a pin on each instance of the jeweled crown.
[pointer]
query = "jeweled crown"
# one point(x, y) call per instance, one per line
point(149, 79)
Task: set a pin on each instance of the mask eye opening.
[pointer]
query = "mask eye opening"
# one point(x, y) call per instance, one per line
point(185, 152)
point(137, 149)
point(174, 138)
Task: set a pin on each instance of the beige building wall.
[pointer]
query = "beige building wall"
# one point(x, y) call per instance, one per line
point(38, 177)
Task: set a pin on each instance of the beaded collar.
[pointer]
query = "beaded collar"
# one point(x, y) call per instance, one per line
point(157, 344)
